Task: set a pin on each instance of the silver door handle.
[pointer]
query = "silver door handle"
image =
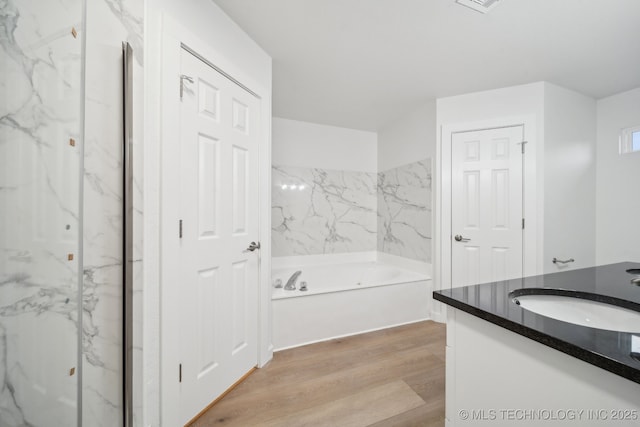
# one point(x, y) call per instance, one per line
point(252, 247)
point(459, 238)
point(562, 261)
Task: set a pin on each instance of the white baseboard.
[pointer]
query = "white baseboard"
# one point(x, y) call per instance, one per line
point(351, 334)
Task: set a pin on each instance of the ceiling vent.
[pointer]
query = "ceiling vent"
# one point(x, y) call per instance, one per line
point(482, 6)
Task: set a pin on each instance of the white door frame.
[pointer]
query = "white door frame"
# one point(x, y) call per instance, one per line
point(532, 244)
point(173, 36)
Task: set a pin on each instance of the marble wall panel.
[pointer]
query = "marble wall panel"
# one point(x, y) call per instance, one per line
point(109, 23)
point(40, 160)
point(41, 111)
point(319, 211)
point(404, 211)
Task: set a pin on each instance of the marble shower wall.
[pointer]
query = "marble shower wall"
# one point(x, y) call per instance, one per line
point(327, 211)
point(40, 220)
point(404, 211)
point(40, 160)
point(109, 23)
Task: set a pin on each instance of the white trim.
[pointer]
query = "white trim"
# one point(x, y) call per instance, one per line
point(532, 237)
point(169, 184)
point(173, 35)
point(366, 331)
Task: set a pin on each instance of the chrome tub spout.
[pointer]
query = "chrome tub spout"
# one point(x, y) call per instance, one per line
point(291, 283)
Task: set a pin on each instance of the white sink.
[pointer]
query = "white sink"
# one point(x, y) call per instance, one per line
point(583, 312)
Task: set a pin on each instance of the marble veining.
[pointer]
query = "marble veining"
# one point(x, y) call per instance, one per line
point(40, 113)
point(404, 211)
point(110, 22)
point(319, 211)
point(39, 179)
point(127, 12)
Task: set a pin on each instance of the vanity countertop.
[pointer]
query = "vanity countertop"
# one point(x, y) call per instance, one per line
point(609, 350)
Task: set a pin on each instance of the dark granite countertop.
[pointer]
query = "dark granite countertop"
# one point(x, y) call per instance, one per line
point(609, 350)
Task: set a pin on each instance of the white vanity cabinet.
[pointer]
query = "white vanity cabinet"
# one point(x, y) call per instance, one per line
point(496, 377)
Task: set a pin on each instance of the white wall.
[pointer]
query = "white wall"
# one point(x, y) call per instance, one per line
point(312, 145)
point(403, 146)
point(410, 138)
point(206, 21)
point(493, 104)
point(569, 178)
point(618, 176)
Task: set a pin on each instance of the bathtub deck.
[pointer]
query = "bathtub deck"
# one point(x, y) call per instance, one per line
point(393, 377)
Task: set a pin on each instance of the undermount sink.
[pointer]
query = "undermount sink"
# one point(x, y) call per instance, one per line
point(580, 311)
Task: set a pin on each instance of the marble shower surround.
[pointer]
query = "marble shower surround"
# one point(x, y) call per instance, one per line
point(38, 286)
point(334, 212)
point(404, 211)
point(109, 23)
point(41, 64)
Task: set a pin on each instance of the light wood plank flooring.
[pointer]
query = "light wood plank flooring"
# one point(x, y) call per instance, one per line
point(393, 377)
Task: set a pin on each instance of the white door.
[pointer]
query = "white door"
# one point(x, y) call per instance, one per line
point(219, 157)
point(486, 205)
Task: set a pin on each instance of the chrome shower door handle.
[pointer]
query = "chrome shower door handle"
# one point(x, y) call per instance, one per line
point(127, 225)
point(252, 247)
point(459, 238)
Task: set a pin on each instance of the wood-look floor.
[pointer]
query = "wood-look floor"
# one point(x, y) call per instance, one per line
point(393, 377)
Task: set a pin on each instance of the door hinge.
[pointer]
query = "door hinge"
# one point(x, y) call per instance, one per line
point(180, 229)
point(180, 373)
point(523, 223)
point(523, 143)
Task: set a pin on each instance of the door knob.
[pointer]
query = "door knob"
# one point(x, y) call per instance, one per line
point(459, 238)
point(252, 247)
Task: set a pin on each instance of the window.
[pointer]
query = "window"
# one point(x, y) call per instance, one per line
point(630, 140)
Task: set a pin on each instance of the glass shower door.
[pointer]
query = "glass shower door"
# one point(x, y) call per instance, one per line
point(41, 110)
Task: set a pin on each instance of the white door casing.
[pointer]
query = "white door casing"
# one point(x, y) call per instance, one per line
point(219, 124)
point(163, 330)
point(486, 205)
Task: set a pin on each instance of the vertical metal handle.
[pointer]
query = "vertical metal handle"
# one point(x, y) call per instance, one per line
point(127, 210)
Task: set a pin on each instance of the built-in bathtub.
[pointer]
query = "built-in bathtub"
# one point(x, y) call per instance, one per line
point(345, 299)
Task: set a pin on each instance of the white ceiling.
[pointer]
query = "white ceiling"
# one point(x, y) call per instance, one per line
point(363, 63)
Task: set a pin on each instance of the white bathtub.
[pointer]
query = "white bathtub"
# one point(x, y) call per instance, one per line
point(346, 299)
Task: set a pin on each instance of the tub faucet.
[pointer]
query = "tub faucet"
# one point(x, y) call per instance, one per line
point(291, 283)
